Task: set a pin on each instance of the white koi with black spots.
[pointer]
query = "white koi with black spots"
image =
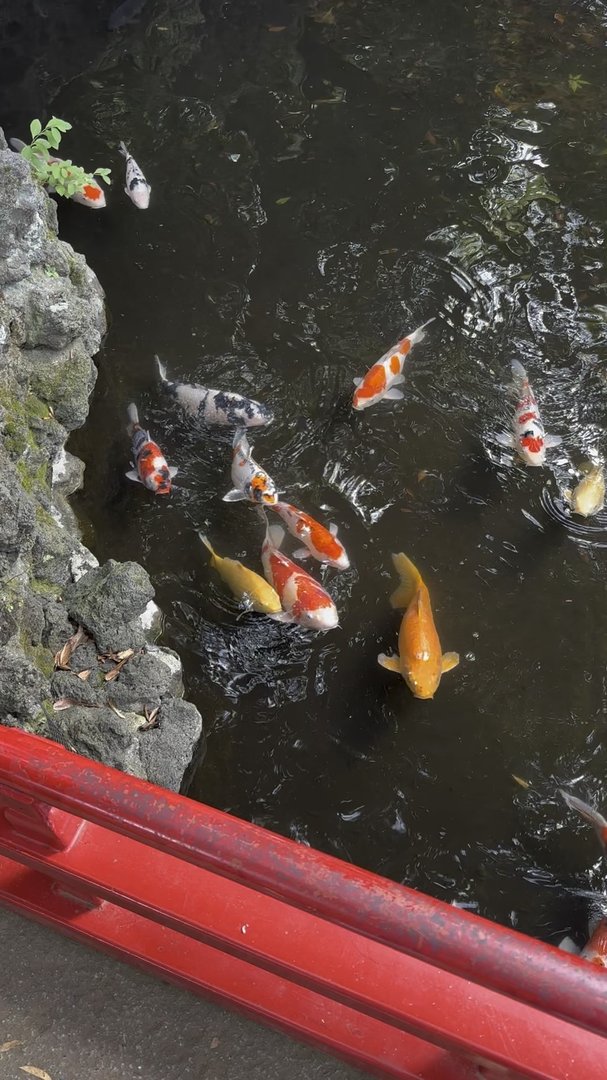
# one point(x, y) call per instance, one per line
point(216, 406)
point(137, 187)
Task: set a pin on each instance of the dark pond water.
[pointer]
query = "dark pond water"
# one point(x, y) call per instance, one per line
point(325, 178)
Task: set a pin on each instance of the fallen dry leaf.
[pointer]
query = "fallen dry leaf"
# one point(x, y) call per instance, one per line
point(84, 674)
point(113, 674)
point(116, 711)
point(125, 654)
point(214, 1043)
point(150, 718)
point(63, 657)
point(326, 17)
point(559, 18)
point(33, 1071)
point(64, 703)
point(10, 1045)
point(521, 783)
point(276, 29)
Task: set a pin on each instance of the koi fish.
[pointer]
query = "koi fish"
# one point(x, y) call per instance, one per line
point(137, 187)
point(420, 660)
point(320, 543)
point(245, 584)
point(216, 406)
point(150, 468)
point(595, 950)
point(381, 381)
point(588, 496)
point(91, 193)
point(249, 479)
point(528, 437)
point(304, 601)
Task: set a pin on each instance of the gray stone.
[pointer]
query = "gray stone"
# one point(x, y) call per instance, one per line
point(51, 550)
point(102, 735)
point(26, 215)
point(147, 678)
point(67, 684)
point(68, 472)
point(23, 688)
point(32, 617)
point(57, 626)
point(169, 750)
point(108, 602)
point(17, 517)
point(63, 378)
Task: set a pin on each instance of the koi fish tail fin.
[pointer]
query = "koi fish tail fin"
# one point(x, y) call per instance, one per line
point(133, 416)
point(419, 334)
point(275, 534)
point(17, 144)
point(207, 543)
point(518, 371)
point(592, 816)
point(240, 439)
point(123, 149)
point(410, 580)
point(162, 371)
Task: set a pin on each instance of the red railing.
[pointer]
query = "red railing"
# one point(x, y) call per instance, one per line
point(398, 983)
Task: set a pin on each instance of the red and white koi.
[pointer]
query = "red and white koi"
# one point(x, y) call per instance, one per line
point(319, 543)
point(595, 949)
point(91, 194)
point(304, 600)
point(528, 436)
point(249, 479)
point(137, 187)
point(382, 380)
point(150, 467)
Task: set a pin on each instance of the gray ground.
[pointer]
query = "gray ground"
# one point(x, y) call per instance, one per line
point(79, 1015)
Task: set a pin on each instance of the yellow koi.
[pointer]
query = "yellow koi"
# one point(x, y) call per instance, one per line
point(245, 584)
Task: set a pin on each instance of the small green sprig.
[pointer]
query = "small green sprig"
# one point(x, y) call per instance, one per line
point(62, 176)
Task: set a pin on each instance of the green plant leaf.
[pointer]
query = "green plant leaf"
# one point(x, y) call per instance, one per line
point(35, 128)
point(285, 199)
point(61, 125)
point(40, 144)
point(576, 82)
point(53, 137)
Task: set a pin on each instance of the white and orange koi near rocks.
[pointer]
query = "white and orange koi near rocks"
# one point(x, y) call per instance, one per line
point(304, 601)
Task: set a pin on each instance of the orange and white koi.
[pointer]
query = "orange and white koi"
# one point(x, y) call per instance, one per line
point(150, 467)
point(249, 479)
point(320, 543)
point(381, 381)
point(91, 194)
point(595, 949)
point(528, 436)
point(304, 601)
point(420, 660)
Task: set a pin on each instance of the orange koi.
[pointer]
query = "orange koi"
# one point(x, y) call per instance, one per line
point(304, 601)
point(320, 543)
point(420, 660)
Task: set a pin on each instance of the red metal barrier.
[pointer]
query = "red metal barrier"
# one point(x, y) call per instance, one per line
point(396, 982)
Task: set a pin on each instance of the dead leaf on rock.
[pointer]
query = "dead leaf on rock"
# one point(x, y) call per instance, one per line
point(150, 718)
point(214, 1043)
point(116, 711)
point(63, 657)
point(10, 1045)
point(125, 654)
point(84, 674)
point(33, 1071)
point(64, 703)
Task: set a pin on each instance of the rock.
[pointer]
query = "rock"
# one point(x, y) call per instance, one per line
point(26, 215)
point(22, 687)
point(147, 679)
point(57, 626)
point(108, 602)
point(17, 516)
point(64, 379)
point(103, 736)
point(68, 472)
point(171, 749)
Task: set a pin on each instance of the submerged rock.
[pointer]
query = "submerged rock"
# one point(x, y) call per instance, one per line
point(51, 323)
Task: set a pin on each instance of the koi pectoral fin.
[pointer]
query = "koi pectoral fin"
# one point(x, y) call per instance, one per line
point(134, 475)
point(357, 382)
point(173, 470)
point(234, 496)
point(568, 945)
point(552, 440)
point(301, 553)
point(503, 439)
point(391, 663)
point(393, 395)
point(281, 617)
point(450, 660)
point(333, 529)
point(397, 380)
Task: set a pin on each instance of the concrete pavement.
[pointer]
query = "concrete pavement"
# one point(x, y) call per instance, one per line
point(79, 1015)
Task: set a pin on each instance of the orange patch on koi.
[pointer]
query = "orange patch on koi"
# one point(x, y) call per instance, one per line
point(527, 416)
point(91, 192)
point(533, 444)
point(394, 364)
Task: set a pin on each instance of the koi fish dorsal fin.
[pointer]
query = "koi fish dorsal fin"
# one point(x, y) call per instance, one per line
point(518, 371)
point(410, 580)
point(276, 535)
point(132, 413)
